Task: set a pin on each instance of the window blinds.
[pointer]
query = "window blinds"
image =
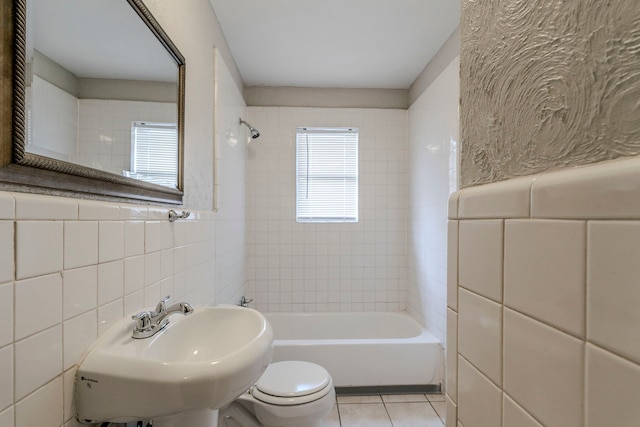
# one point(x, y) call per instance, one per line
point(327, 175)
point(154, 152)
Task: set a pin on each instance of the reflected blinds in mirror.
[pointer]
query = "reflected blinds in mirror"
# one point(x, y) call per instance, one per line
point(154, 153)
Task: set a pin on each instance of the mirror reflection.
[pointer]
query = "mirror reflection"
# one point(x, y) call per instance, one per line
point(102, 91)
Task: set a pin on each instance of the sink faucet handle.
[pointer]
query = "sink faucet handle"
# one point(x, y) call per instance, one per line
point(162, 304)
point(143, 320)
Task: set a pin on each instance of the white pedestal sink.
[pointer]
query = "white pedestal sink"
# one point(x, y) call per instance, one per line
point(203, 360)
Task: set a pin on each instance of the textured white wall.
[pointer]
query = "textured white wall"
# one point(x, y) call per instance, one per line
point(547, 84)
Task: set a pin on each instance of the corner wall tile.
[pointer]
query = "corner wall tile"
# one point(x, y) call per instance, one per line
point(6, 377)
point(38, 246)
point(606, 190)
point(612, 389)
point(6, 313)
point(38, 360)
point(613, 294)
point(452, 264)
point(504, 199)
point(480, 248)
point(479, 400)
point(7, 206)
point(543, 370)
point(452, 355)
point(7, 256)
point(453, 205)
point(480, 334)
point(544, 271)
point(452, 413)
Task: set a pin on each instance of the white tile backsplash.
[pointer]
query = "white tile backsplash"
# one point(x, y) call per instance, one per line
point(6, 251)
point(110, 240)
point(79, 290)
point(43, 408)
point(6, 377)
point(6, 313)
point(78, 334)
point(80, 243)
point(38, 304)
point(38, 359)
point(38, 248)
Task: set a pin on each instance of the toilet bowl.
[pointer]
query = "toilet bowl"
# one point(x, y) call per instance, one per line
point(288, 394)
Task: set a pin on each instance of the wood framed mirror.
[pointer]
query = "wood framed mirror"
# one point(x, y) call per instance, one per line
point(97, 61)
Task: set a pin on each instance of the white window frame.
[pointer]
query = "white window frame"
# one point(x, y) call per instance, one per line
point(154, 152)
point(327, 174)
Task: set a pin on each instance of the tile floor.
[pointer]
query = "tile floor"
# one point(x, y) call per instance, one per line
point(406, 410)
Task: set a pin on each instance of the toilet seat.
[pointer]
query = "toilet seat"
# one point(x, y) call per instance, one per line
point(292, 383)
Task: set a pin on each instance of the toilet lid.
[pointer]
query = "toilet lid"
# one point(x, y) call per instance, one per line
point(293, 379)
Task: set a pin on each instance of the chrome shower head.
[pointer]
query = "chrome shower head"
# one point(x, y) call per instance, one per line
point(254, 132)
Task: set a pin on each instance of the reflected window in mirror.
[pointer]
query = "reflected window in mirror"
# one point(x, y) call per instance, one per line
point(83, 72)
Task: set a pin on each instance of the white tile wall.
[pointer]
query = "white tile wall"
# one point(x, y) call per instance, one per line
point(83, 282)
point(327, 267)
point(432, 177)
point(105, 130)
point(569, 334)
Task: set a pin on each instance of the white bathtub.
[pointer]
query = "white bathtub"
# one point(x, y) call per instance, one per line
point(361, 350)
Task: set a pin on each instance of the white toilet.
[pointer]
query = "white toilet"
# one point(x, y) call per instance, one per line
point(291, 394)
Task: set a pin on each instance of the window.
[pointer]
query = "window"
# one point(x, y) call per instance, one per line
point(326, 175)
point(154, 152)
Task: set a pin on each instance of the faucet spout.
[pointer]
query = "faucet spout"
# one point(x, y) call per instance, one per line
point(150, 323)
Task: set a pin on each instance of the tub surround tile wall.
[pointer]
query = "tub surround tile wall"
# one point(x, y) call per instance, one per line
point(431, 178)
point(546, 310)
point(327, 267)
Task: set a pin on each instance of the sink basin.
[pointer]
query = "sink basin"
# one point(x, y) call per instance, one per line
point(203, 360)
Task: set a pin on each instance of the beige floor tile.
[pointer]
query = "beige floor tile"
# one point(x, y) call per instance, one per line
point(331, 420)
point(441, 409)
point(415, 414)
point(403, 398)
point(435, 397)
point(359, 399)
point(364, 415)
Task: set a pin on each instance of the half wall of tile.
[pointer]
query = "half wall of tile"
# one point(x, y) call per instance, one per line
point(69, 270)
point(542, 300)
point(327, 267)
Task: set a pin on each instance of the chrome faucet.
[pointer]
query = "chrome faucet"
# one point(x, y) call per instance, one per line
point(149, 323)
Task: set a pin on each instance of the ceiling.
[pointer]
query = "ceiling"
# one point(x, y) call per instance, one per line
point(99, 39)
point(382, 44)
